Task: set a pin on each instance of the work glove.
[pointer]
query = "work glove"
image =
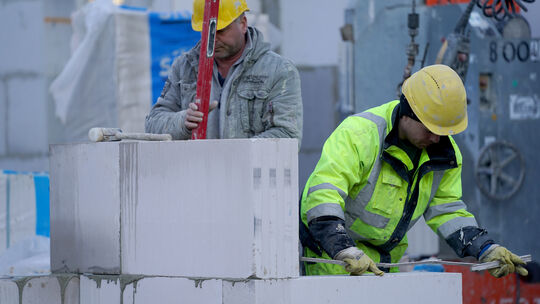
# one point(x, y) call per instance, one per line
point(357, 262)
point(509, 262)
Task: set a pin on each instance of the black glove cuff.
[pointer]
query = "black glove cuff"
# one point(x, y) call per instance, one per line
point(330, 233)
point(469, 241)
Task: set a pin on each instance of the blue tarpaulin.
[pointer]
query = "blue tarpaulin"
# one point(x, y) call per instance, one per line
point(41, 192)
point(170, 36)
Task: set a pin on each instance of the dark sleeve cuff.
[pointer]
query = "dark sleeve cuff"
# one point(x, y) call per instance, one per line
point(330, 233)
point(469, 241)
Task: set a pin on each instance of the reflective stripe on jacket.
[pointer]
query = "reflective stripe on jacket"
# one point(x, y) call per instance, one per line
point(370, 183)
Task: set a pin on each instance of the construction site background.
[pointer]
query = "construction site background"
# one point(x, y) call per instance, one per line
point(338, 77)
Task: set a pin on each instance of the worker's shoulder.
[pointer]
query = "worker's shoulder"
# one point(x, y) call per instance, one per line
point(271, 59)
point(357, 126)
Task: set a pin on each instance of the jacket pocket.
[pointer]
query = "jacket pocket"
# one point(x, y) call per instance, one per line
point(388, 192)
point(188, 91)
point(252, 109)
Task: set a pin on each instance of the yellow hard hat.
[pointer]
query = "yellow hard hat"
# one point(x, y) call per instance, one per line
point(229, 10)
point(437, 96)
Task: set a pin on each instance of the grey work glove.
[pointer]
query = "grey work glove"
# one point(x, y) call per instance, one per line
point(509, 262)
point(357, 262)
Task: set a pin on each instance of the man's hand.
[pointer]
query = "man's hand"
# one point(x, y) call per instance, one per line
point(357, 262)
point(509, 262)
point(194, 117)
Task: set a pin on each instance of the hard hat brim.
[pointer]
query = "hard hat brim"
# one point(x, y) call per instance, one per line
point(445, 131)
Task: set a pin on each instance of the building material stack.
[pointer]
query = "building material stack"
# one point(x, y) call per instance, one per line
point(213, 221)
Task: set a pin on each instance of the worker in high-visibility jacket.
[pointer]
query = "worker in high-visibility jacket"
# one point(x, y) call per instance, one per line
point(382, 169)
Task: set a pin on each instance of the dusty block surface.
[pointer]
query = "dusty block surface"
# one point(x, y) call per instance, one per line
point(210, 209)
point(114, 289)
point(403, 288)
point(408, 288)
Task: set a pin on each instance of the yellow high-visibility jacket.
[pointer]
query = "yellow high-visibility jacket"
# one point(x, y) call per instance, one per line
point(371, 184)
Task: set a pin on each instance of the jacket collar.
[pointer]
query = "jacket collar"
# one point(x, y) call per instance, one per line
point(252, 52)
point(441, 155)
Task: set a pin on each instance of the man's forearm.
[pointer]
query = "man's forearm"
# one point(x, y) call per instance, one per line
point(331, 234)
point(469, 241)
point(166, 122)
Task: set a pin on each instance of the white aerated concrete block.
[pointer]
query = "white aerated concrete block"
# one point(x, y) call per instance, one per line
point(100, 290)
point(402, 288)
point(422, 240)
point(149, 290)
point(22, 35)
point(9, 291)
point(39, 290)
point(27, 118)
point(210, 208)
point(3, 119)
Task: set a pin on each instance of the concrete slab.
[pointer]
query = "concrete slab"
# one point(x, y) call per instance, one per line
point(52, 289)
point(210, 209)
point(403, 288)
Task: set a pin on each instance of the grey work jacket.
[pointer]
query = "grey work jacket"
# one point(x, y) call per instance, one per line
point(261, 96)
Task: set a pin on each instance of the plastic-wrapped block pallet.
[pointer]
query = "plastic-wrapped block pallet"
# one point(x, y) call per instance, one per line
point(135, 50)
point(210, 209)
point(24, 207)
point(52, 289)
point(403, 288)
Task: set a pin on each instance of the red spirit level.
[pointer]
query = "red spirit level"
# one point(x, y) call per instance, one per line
point(206, 65)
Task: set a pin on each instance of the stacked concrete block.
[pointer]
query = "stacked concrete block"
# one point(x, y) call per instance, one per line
point(27, 131)
point(416, 287)
point(210, 209)
point(211, 221)
point(22, 37)
point(52, 289)
point(134, 289)
point(23, 87)
point(3, 119)
point(17, 209)
point(422, 240)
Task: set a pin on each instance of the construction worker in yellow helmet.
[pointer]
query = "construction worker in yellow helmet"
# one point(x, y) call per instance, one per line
point(255, 92)
point(382, 169)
